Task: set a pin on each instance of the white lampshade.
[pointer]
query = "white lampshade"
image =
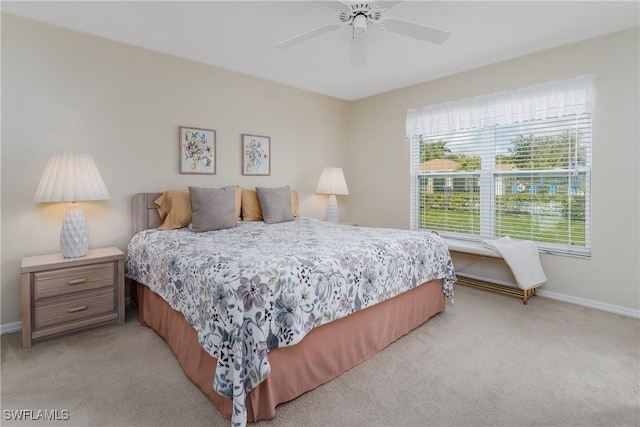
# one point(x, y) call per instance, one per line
point(72, 178)
point(332, 182)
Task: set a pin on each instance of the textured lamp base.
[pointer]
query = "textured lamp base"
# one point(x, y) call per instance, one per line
point(74, 237)
point(332, 209)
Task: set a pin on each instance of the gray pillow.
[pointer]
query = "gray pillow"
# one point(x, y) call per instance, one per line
point(275, 204)
point(212, 208)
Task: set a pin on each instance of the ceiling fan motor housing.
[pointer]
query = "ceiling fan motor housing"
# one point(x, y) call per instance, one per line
point(360, 15)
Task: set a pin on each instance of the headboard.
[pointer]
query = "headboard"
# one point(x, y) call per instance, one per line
point(145, 214)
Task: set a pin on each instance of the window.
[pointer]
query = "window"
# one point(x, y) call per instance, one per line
point(512, 164)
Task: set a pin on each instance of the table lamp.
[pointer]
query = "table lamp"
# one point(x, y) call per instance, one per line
point(332, 182)
point(72, 177)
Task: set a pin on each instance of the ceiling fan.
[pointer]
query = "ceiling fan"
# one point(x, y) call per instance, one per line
point(359, 15)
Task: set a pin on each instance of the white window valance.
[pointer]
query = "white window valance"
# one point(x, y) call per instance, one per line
point(540, 101)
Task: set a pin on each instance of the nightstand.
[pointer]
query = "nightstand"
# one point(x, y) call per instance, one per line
point(62, 295)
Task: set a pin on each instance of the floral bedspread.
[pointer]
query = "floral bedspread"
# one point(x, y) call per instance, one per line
point(256, 287)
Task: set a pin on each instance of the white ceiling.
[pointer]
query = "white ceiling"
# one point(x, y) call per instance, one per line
point(241, 36)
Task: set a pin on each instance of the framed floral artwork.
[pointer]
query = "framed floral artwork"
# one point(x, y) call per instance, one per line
point(256, 155)
point(197, 151)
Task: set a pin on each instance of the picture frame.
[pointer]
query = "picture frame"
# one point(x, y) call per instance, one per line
point(256, 155)
point(197, 151)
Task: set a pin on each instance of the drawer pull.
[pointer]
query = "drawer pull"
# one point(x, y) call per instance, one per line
point(77, 281)
point(79, 308)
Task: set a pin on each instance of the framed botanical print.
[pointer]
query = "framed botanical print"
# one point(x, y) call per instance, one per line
point(256, 155)
point(197, 151)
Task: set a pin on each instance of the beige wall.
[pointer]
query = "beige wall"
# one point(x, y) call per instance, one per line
point(380, 195)
point(67, 91)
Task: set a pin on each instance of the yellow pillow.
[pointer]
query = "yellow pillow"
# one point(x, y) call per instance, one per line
point(251, 210)
point(174, 208)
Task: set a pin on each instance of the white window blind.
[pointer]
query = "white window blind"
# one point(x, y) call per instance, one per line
point(512, 164)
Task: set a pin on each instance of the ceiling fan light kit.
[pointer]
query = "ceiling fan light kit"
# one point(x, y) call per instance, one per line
point(359, 16)
point(360, 24)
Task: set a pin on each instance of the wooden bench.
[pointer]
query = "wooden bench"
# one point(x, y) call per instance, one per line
point(503, 283)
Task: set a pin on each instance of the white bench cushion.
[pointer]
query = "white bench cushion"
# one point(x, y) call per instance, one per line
point(469, 247)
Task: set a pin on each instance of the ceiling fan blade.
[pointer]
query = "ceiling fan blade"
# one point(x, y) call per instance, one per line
point(359, 51)
point(335, 5)
point(417, 31)
point(387, 4)
point(308, 35)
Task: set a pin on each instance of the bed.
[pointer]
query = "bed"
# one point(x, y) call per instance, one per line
point(259, 314)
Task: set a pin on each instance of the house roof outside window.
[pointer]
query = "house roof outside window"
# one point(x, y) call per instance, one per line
point(439, 165)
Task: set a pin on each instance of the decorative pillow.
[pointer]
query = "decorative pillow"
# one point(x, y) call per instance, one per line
point(174, 208)
point(275, 204)
point(295, 211)
point(251, 210)
point(238, 202)
point(250, 206)
point(213, 208)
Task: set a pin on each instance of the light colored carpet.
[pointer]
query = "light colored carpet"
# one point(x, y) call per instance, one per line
point(488, 360)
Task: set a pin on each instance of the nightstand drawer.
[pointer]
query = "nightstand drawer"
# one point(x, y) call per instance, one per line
point(56, 311)
point(73, 280)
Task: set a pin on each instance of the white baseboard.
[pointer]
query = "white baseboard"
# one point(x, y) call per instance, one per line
point(623, 311)
point(10, 327)
point(617, 309)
